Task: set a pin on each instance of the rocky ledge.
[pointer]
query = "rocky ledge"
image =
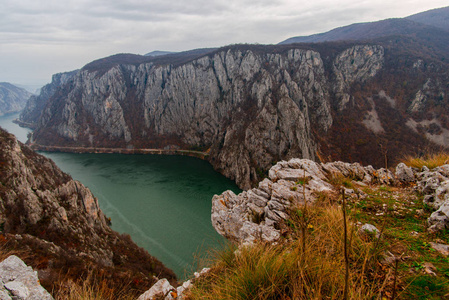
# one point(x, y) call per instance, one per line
point(257, 214)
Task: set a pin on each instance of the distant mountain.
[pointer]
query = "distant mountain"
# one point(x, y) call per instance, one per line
point(420, 25)
point(158, 53)
point(436, 17)
point(12, 98)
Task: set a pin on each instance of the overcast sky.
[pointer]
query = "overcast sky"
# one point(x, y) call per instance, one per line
point(41, 37)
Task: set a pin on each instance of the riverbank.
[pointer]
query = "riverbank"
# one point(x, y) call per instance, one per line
point(192, 153)
point(24, 124)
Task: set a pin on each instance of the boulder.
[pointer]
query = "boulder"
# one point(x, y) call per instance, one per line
point(369, 231)
point(404, 173)
point(20, 282)
point(439, 220)
point(442, 248)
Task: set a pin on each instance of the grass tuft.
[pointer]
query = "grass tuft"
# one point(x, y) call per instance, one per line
point(93, 287)
point(431, 161)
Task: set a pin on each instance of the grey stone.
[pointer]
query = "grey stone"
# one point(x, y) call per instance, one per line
point(255, 214)
point(160, 289)
point(439, 220)
point(17, 289)
point(370, 230)
point(182, 288)
point(442, 248)
point(4, 295)
point(20, 281)
point(404, 173)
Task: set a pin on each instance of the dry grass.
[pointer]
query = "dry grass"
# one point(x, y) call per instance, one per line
point(287, 271)
point(431, 160)
point(92, 288)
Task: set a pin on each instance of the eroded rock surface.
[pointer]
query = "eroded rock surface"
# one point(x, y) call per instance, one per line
point(256, 214)
point(20, 282)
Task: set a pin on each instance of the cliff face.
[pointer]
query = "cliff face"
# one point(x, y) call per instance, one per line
point(45, 211)
point(12, 98)
point(249, 107)
point(36, 103)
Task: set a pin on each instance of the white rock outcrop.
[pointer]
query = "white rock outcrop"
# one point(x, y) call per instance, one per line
point(257, 213)
point(20, 282)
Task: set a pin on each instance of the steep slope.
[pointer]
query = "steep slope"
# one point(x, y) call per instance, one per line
point(251, 106)
point(235, 100)
point(12, 98)
point(45, 212)
point(436, 17)
point(36, 103)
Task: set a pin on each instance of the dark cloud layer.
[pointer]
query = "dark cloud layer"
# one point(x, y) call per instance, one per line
point(42, 37)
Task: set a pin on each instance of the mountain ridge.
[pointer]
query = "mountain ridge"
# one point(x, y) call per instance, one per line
point(419, 24)
point(12, 98)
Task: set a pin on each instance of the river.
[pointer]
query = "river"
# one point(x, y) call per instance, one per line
point(163, 202)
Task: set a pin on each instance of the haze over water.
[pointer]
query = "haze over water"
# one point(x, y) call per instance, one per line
point(163, 202)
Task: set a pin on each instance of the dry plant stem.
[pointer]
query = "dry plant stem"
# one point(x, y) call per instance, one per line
point(304, 220)
point(396, 262)
point(345, 294)
point(384, 284)
point(380, 232)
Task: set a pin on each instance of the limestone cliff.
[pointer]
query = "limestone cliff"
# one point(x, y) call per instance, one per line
point(46, 212)
point(34, 106)
point(249, 107)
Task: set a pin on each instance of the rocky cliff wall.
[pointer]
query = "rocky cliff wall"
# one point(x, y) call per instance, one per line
point(250, 108)
point(35, 105)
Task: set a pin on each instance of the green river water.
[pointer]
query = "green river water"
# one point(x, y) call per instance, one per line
point(163, 202)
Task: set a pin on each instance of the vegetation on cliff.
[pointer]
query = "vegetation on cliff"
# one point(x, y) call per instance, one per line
point(55, 225)
point(397, 260)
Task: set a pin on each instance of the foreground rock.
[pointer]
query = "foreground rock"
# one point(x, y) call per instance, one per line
point(163, 290)
point(257, 214)
point(434, 184)
point(20, 282)
point(46, 213)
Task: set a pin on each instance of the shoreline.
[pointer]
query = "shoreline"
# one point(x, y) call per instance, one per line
point(24, 124)
point(192, 153)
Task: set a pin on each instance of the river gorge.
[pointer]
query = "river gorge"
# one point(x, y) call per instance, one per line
point(163, 202)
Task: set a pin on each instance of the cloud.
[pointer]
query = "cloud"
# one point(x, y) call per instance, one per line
point(40, 37)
